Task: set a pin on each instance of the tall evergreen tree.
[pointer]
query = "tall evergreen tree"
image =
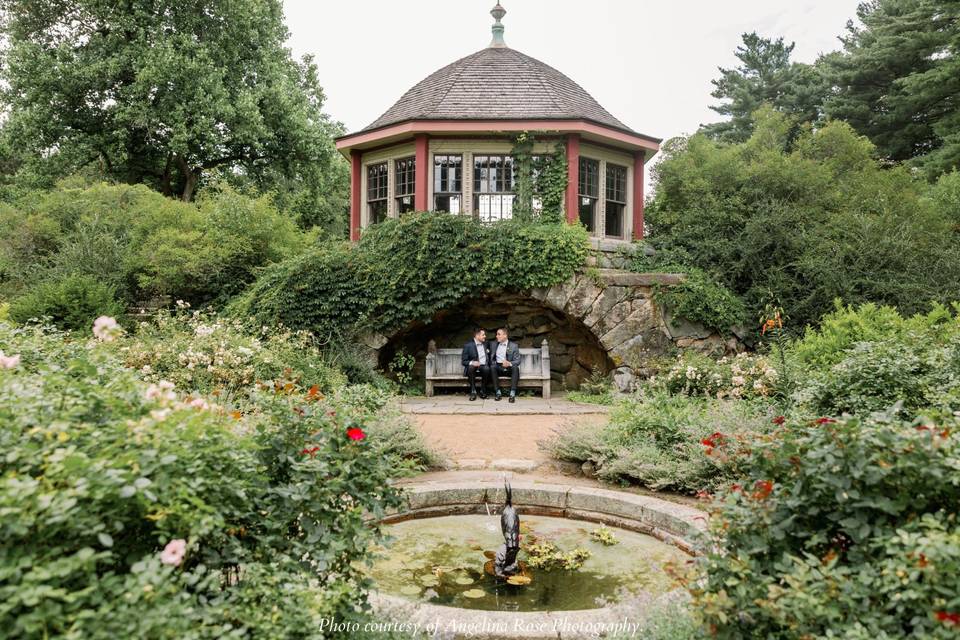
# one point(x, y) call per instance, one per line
point(766, 76)
point(897, 80)
point(161, 92)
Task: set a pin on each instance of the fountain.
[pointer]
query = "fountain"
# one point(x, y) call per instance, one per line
point(576, 553)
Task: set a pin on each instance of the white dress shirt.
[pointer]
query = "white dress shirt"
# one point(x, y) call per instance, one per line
point(481, 352)
point(501, 351)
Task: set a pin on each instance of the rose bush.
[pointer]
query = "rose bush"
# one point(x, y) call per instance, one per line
point(842, 528)
point(131, 509)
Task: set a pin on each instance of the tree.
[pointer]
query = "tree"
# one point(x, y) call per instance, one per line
point(897, 80)
point(805, 220)
point(161, 92)
point(766, 77)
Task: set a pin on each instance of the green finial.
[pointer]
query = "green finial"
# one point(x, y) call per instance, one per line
point(498, 12)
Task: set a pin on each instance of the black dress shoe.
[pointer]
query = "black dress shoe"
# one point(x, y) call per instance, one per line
point(497, 397)
point(473, 396)
point(483, 396)
point(513, 398)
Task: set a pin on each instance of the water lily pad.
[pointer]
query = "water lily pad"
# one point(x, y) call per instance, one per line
point(429, 580)
point(490, 555)
point(519, 580)
point(473, 593)
point(410, 590)
point(464, 580)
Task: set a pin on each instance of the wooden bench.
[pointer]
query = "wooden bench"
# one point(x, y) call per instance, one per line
point(444, 369)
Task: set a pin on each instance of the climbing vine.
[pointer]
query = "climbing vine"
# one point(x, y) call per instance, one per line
point(539, 175)
point(407, 269)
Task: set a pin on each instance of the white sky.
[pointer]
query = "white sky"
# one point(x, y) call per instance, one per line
point(649, 63)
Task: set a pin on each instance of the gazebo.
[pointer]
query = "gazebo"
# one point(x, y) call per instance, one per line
point(447, 145)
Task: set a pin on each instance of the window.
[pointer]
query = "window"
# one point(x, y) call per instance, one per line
point(405, 176)
point(588, 192)
point(616, 204)
point(377, 193)
point(447, 183)
point(493, 187)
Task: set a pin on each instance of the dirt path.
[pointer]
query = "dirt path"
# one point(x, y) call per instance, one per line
point(492, 437)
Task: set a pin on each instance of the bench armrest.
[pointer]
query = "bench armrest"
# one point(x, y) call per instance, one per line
point(431, 368)
point(545, 359)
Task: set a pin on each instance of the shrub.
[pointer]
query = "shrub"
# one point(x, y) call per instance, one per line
point(102, 472)
point(142, 243)
point(804, 223)
point(666, 442)
point(839, 529)
point(869, 358)
point(71, 303)
point(742, 376)
point(407, 269)
point(210, 354)
point(699, 298)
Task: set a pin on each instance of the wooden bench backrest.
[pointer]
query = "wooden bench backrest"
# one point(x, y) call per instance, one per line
point(448, 362)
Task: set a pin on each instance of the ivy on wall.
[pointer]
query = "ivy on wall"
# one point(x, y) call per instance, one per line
point(540, 175)
point(406, 270)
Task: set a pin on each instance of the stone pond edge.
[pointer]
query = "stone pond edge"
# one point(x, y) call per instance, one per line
point(673, 523)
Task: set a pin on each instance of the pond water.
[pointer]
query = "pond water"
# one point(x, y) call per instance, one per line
point(440, 561)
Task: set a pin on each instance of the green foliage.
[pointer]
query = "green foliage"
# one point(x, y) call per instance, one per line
point(407, 269)
point(869, 358)
point(102, 471)
point(698, 298)
point(744, 376)
point(597, 389)
point(604, 536)
point(140, 243)
point(658, 441)
point(839, 529)
point(163, 94)
point(766, 76)
point(544, 554)
point(821, 221)
point(72, 303)
point(896, 80)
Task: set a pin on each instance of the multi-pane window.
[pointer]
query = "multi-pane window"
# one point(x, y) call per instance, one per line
point(493, 187)
point(616, 200)
point(405, 176)
point(377, 192)
point(588, 192)
point(447, 183)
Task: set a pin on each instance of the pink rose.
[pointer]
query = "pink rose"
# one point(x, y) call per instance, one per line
point(9, 362)
point(173, 553)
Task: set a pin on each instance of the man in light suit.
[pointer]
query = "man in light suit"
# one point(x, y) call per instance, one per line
point(476, 358)
point(506, 362)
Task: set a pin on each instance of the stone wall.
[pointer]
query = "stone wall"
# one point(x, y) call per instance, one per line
point(601, 319)
point(574, 351)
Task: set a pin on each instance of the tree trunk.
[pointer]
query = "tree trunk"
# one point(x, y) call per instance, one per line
point(190, 178)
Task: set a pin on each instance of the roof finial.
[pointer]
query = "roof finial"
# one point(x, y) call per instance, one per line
point(498, 12)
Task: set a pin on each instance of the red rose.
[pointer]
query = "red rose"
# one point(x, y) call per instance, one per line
point(355, 433)
point(310, 452)
point(948, 617)
point(825, 420)
point(779, 420)
point(762, 489)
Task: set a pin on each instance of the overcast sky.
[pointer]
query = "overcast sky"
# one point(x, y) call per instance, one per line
point(649, 63)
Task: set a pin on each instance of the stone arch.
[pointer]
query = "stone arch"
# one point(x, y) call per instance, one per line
point(607, 316)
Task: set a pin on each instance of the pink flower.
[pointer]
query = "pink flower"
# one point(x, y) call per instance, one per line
point(9, 362)
point(106, 328)
point(173, 553)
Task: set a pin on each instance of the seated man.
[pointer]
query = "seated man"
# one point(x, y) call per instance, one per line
point(506, 362)
point(475, 358)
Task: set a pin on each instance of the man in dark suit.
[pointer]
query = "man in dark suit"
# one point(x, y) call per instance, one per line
point(506, 362)
point(476, 358)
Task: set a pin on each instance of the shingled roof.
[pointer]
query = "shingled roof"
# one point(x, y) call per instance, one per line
point(497, 83)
